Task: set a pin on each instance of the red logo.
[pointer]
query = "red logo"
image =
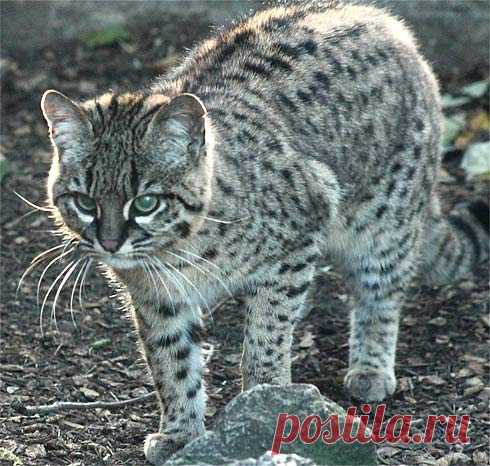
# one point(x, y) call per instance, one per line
point(397, 428)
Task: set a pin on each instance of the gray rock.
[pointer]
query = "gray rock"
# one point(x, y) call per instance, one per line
point(278, 460)
point(245, 431)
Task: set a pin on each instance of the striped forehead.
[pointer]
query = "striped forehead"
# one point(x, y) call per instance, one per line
point(119, 123)
point(112, 176)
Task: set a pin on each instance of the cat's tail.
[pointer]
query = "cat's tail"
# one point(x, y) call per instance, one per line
point(455, 244)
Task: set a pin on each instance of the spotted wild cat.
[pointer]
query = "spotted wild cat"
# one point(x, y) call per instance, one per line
point(304, 131)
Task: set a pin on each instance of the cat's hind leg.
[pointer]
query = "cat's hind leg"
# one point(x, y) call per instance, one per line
point(379, 266)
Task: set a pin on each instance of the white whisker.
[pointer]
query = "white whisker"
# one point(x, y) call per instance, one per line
point(217, 277)
point(47, 252)
point(147, 270)
point(73, 291)
point(46, 296)
point(56, 259)
point(163, 283)
point(31, 204)
point(60, 287)
point(176, 270)
point(181, 288)
point(217, 220)
point(82, 283)
point(29, 269)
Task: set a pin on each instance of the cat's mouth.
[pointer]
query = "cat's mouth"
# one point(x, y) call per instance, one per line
point(120, 261)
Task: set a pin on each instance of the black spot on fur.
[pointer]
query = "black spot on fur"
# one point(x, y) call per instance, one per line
point(210, 254)
point(183, 353)
point(257, 69)
point(287, 175)
point(352, 72)
point(396, 167)
point(465, 228)
point(196, 332)
point(287, 102)
point(169, 340)
point(182, 373)
point(297, 290)
point(303, 96)
point(322, 79)
point(227, 189)
point(299, 267)
point(480, 210)
point(310, 46)
point(288, 50)
point(284, 268)
point(184, 229)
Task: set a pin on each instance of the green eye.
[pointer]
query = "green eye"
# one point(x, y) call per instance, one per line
point(146, 204)
point(85, 203)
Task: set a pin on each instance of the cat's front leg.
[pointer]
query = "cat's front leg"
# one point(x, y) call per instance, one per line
point(272, 311)
point(170, 337)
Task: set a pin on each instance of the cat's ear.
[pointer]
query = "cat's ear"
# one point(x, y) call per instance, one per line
point(182, 121)
point(66, 120)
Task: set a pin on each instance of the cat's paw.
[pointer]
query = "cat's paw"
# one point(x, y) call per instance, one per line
point(158, 448)
point(367, 384)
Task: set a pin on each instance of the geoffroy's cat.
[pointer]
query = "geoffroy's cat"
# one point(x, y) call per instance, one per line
point(303, 131)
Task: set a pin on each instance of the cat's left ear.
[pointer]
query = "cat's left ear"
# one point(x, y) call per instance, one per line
point(182, 121)
point(66, 120)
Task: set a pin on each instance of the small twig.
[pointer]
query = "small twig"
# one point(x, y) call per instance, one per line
point(68, 405)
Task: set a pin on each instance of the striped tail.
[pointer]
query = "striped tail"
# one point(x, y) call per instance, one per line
point(455, 245)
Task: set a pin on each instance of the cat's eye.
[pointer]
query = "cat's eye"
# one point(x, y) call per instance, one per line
point(85, 203)
point(145, 205)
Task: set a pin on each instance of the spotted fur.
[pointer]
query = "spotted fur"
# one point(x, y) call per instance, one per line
point(301, 132)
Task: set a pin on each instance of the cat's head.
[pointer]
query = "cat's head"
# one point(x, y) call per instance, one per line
point(130, 173)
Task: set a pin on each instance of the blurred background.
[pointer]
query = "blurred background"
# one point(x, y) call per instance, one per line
point(454, 33)
point(83, 48)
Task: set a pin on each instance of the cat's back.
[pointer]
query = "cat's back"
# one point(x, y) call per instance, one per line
point(341, 84)
point(288, 45)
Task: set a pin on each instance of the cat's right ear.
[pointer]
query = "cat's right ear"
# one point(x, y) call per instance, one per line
point(66, 120)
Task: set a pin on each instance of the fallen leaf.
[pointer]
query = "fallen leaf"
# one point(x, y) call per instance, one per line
point(480, 457)
point(35, 451)
point(89, 393)
point(464, 372)
point(307, 340)
point(438, 321)
point(433, 380)
point(72, 424)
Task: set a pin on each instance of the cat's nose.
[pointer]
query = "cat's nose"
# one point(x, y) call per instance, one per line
point(111, 245)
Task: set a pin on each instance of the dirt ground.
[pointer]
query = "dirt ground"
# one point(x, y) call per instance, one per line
point(443, 360)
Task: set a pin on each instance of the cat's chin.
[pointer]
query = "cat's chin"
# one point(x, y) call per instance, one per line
point(120, 263)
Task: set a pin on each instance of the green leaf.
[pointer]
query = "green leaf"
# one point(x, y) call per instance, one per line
point(449, 101)
point(476, 160)
point(106, 37)
point(102, 343)
point(476, 89)
point(11, 457)
point(453, 126)
point(3, 167)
